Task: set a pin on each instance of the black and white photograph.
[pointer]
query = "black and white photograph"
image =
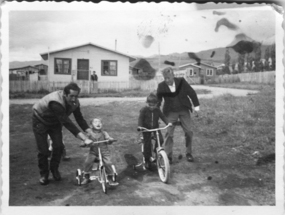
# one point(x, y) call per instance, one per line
point(134, 108)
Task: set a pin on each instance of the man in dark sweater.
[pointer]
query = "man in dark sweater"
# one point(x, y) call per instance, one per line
point(49, 115)
point(177, 93)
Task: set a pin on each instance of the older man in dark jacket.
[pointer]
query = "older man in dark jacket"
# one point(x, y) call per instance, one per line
point(177, 93)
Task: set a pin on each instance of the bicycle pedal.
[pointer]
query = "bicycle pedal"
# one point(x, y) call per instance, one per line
point(92, 178)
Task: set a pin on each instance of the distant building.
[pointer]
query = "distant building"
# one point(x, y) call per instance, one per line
point(24, 73)
point(42, 69)
point(193, 69)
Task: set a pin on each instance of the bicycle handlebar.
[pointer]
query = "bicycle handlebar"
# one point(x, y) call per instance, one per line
point(155, 129)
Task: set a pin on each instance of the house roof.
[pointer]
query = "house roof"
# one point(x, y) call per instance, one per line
point(46, 54)
point(40, 65)
point(190, 64)
point(207, 65)
point(25, 67)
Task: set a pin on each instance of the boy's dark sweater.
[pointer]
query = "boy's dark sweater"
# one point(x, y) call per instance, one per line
point(149, 118)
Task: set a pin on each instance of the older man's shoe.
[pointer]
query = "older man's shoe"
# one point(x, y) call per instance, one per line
point(44, 180)
point(56, 175)
point(189, 157)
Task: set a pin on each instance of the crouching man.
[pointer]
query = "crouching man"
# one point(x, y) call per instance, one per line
point(49, 115)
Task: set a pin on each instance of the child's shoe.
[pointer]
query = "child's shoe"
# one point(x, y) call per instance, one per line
point(147, 165)
point(152, 159)
point(86, 179)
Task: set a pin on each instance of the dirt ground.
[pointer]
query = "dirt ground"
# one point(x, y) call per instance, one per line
point(220, 175)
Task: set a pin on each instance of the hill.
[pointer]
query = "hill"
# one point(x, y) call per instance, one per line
point(211, 56)
point(18, 64)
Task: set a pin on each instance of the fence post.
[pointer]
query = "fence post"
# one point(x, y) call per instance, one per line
point(89, 85)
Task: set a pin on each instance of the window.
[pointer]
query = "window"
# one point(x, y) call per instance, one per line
point(209, 72)
point(62, 66)
point(191, 72)
point(109, 68)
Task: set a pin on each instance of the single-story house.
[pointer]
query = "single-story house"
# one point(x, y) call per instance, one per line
point(42, 68)
point(191, 69)
point(79, 62)
point(24, 73)
point(202, 69)
point(207, 70)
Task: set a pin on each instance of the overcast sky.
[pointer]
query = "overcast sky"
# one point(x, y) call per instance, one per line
point(176, 27)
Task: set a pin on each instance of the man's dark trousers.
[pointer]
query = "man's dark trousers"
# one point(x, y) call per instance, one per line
point(55, 132)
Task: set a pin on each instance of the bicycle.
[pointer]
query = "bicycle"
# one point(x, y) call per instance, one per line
point(98, 166)
point(160, 155)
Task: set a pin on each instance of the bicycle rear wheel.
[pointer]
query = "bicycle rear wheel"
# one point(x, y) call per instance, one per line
point(103, 179)
point(163, 166)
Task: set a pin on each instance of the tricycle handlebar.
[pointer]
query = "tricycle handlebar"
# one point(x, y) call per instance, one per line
point(96, 142)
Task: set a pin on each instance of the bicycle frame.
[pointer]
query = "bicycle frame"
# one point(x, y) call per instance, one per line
point(159, 147)
point(161, 159)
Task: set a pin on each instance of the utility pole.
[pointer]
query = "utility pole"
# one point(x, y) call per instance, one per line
point(48, 70)
point(158, 56)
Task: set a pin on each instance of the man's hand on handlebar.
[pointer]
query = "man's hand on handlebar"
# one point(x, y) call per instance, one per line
point(86, 142)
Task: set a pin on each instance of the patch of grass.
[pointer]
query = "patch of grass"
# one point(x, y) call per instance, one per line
point(226, 133)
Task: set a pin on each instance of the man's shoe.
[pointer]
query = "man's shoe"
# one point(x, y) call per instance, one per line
point(65, 158)
point(56, 175)
point(44, 180)
point(189, 157)
point(86, 179)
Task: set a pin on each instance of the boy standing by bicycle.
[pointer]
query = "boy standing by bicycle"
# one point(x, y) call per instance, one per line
point(148, 118)
point(99, 135)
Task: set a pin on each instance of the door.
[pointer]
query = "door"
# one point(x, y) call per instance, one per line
point(82, 69)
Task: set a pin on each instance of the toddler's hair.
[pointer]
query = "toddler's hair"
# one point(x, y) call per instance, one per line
point(94, 119)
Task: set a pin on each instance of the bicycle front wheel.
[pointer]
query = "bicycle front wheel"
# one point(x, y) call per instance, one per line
point(163, 166)
point(103, 179)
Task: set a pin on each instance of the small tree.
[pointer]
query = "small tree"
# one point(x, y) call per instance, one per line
point(227, 62)
point(226, 70)
point(241, 59)
point(234, 62)
point(249, 60)
point(266, 57)
point(257, 58)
